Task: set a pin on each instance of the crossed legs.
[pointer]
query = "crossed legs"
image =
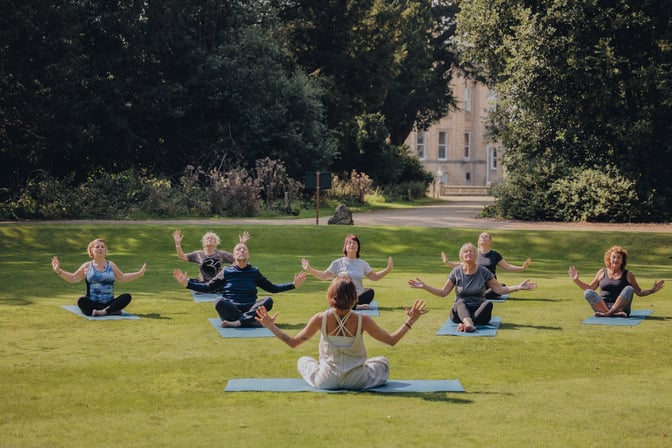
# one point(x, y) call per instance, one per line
point(467, 317)
point(620, 308)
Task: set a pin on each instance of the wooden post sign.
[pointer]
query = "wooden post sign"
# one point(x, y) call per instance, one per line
point(318, 181)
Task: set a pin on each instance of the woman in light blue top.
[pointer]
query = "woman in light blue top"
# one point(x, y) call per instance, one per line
point(100, 275)
point(354, 267)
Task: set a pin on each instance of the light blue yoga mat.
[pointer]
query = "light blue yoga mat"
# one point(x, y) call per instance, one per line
point(372, 311)
point(501, 299)
point(204, 297)
point(299, 385)
point(636, 316)
point(449, 328)
point(124, 315)
point(260, 332)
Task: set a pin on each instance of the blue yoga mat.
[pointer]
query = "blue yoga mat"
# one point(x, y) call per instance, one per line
point(372, 311)
point(124, 315)
point(449, 328)
point(299, 385)
point(204, 297)
point(636, 316)
point(240, 332)
point(501, 299)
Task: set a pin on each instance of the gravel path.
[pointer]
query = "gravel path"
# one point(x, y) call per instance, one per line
point(455, 211)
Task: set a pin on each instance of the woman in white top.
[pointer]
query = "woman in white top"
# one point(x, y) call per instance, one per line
point(354, 267)
point(343, 362)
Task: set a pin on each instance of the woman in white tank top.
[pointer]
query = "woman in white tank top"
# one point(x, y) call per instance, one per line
point(343, 362)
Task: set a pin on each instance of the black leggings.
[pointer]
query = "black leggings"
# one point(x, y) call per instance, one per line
point(113, 307)
point(480, 314)
point(365, 297)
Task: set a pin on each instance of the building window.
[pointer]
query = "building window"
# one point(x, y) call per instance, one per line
point(420, 145)
point(467, 146)
point(467, 99)
point(443, 145)
point(492, 101)
point(493, 158)
point(467, 176)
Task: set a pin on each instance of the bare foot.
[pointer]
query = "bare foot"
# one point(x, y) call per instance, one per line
point(363, 306)
point(620, 314)
point(95, 313)
point(460, 327)
point(600, 314)
point(230, 324)
point(469, 326)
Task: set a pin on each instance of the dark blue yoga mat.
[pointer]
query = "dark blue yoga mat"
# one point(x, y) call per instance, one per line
point(636, 316)
point(124, 315)
point(299, 385)
point(449, 328)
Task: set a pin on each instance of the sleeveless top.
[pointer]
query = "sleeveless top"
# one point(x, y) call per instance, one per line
point(611, 288)
point(342, 353)
point(100, 284)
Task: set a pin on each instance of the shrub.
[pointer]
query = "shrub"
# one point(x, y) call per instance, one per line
point(595, 195)
point(351, 190)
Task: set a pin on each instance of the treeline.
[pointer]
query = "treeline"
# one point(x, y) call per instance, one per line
point(102, 87)
point(585, 104)
point(90, 89)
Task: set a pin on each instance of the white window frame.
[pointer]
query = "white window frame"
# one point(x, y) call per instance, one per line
point(442, 147)
point(467, 99)
point(467, 145)
point(421, 145)
point(493, 157)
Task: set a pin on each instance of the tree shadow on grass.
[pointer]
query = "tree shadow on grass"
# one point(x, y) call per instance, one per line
point(291, 326)
point(513, 326)
point(16, 301)
point(447, 397)
point(153, 316)
point(524, 299)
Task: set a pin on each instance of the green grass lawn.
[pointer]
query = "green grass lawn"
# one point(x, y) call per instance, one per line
point(545, 380)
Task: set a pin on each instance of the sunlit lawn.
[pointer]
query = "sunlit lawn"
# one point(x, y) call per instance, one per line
point(546, 379)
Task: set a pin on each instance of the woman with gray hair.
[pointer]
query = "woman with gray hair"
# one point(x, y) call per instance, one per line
point(471, 281)
point(210, 259)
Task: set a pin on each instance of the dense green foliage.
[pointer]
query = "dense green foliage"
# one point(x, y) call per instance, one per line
point(584, 89)
point(546, 380)
point(88, 86)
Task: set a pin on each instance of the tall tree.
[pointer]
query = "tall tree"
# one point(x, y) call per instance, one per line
point(584, 85)
point(159, 85)
point(376, 59)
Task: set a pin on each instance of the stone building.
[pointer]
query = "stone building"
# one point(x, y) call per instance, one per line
point(456, 149)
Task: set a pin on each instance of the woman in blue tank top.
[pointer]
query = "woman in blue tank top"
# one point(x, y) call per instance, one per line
point(617, 285)
point(100, 275)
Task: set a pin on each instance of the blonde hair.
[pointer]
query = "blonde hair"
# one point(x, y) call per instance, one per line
point(89, 249)
point(466, 246)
